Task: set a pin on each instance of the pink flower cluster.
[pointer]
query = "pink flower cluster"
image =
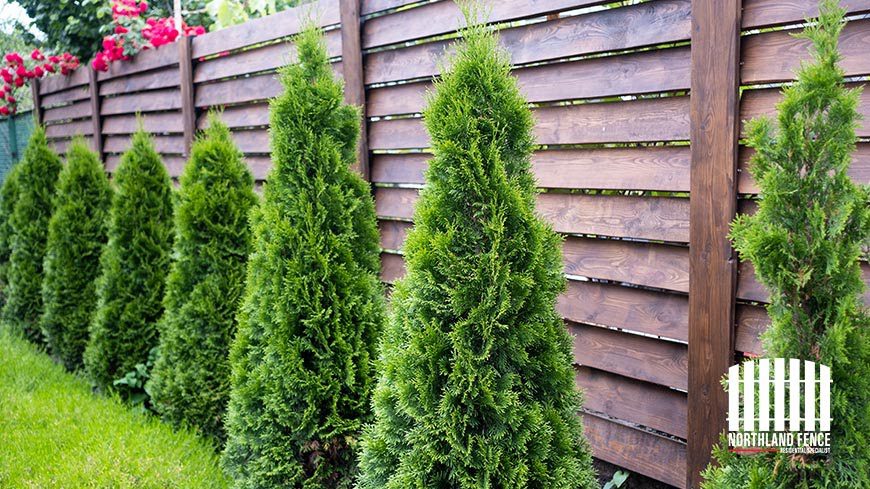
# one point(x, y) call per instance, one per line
point(133, 33)
point(16, 73)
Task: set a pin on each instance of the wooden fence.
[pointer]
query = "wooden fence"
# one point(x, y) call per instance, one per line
point(658, 306)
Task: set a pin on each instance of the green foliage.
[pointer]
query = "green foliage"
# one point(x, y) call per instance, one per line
point(37, 176)
point(76, 236)
point(69, 25)
point(477, 386)
point(133, 266)
point(54, 433)
point(134, 386)
point(805, 244)
point(302, 362)
point(225, 13)
point(8, 197)
point(190, 380)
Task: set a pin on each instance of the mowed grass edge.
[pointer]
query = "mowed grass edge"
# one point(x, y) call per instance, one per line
point(55, 433)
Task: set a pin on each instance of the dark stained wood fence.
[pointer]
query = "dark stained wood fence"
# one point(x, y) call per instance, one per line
point(622, 147)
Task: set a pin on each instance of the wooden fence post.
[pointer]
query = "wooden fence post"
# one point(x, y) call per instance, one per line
point(37, 101)
point(96, 119)
point(354, 78)
point(714, 135)
point(188, 109)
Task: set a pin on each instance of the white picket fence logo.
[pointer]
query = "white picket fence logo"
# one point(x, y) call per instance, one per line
point(802, 417)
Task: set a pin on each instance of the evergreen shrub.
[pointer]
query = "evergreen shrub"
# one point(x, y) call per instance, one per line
point(805, 244)
point(190, 379)
point(312, 310)
point(476, 386)
point(8, 197)
point(37, 177)
point(133, 266)
point(76, 236)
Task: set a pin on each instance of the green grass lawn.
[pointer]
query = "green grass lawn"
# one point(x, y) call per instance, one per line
point(55, 433)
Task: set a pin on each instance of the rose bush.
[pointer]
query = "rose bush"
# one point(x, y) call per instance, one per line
point(19, 70)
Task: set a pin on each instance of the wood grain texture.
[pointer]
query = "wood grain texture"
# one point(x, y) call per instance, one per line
point(714, 141)
point(188, 109)
point(752, 321)
point(774, 56)
point(238, 90)
point(636, 121)
point(630, 355)
point(654, 71)
point(252, 141)
point(859, 170)
point(647, 264)
point(442, 17)
point(139, 82)
point(154, 122)
point(257, 31)
point(163, 144)
point(393, 233)
point(260, 166)
point(615, 306)
point(165, 99)
point(149, 59)
point(96, 119)
point(633, 26)
point(241, 116)
point(392, 267)
point(65, 96)
point(354, 84)
point(61, 145)
point(75, 110)
point(639, 451)
point(73, 128)
point(762, 102)
point(56, 83)
point(656, 218)
point(265, 58)
point(174, 164)
point(630, 400)
point(750, 289)
point(763, 13)
point(372, 6)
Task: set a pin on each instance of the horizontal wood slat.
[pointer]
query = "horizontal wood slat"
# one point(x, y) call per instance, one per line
point(255, 31)
point(61, 145)
point(256, 141)
point(763, 13)
point(153, 122)
point(639, 451)
point(630, 355)
point(163, 144)
point(79, 127)
point(238, 90)
point(655, 218)
point(174, 164)
point(774, 56)
point(253, 115)
point(633, 26)
point(638, 402)
point(371, 6)
point(445, 16)
point(65, 96)
point(656, 71)
point(56, 83)
point(859, 170)
point(755, 103)
point(392, 267)
point(639, 168)
point(636, 121)
point(166, 99)
point(151, 80)
point(268, 57)
point(748, 287)
point(752, 321)
point(149, 59)
point(393, 233)
point(650, 312)
point(76, 110)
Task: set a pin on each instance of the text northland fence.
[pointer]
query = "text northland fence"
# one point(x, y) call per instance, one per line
point(641, 177)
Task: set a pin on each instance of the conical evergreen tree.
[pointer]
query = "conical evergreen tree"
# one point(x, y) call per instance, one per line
point(8, 197)
point(313, 306)
point(133, 266)
point(36, 177)
point(805, 244)
point(190, 380)
point(76, 236)
point(476, 385)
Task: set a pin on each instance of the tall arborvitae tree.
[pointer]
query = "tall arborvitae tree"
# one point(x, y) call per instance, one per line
point(476, 385)
point(76, 236)
point(805, 244)
point(190, 380)
point(133, 266)
point(36, 177)
point(8, 197)
point(313, 307)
